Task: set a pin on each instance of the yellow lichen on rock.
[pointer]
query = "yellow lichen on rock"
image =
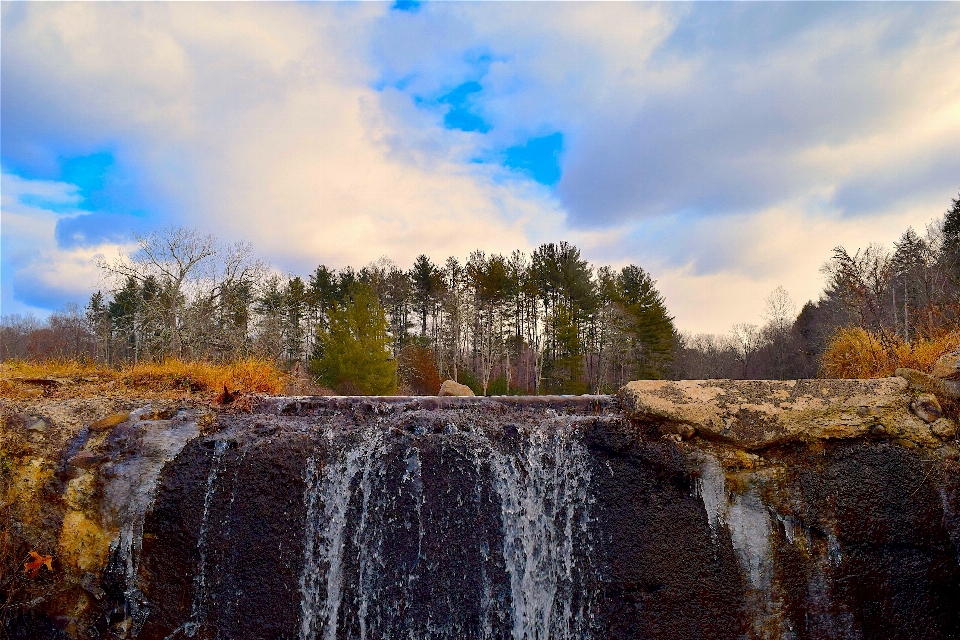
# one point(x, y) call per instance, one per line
point(83, 544)
point(80, 490)
point(26, 479)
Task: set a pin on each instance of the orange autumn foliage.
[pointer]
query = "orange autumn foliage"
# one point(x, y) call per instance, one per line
point(171, 377)
point(418, 370)
point(32, 567)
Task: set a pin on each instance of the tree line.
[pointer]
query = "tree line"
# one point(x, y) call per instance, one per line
point(544, 323)
point(902, 294)
point(547, 322)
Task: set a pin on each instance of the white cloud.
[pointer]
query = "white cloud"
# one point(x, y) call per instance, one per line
point(740, 259)
point(724, 173)
point(36, 273)
point(265, 127)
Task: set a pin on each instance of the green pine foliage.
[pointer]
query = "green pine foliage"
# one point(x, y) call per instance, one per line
point(353, 351)
point(564, 372)
point(950, 253)
point(646, 322)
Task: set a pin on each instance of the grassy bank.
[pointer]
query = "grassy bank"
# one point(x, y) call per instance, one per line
point(173, 378)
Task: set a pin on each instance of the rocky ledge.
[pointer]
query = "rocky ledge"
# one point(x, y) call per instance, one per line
point(756, 414)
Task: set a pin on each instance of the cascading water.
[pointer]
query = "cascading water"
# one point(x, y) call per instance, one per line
point(329, 492)
point(130, 492)
point(509, 519)
point(527, 504)
point(198, 606)
point(543, 498)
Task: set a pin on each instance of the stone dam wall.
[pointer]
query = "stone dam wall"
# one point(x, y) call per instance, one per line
point(812, 509)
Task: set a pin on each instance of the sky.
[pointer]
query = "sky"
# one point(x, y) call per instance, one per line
point(726, 148)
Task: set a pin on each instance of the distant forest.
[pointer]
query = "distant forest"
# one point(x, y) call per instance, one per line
point(547, 322)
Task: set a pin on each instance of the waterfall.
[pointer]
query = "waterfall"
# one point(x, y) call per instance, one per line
point(329, 490)
point(543, 497)
point(357, 496)
point(197, 607)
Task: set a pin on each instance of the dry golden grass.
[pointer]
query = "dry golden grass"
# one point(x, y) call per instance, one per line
point(247, 376)
point(23, 379)
point(855, 353)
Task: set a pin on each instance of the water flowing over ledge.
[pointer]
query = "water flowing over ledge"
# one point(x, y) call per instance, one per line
point(675, 510)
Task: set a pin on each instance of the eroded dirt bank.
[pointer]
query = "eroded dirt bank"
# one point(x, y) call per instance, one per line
point(719, 509)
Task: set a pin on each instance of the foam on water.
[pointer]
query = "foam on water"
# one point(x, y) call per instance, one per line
point(329, 490)
point(543, 499)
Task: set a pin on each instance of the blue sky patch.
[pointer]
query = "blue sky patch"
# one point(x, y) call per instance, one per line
point(539, 157)
point(58, 205)
point(106, 197)
point(87, 172)
point(406, 5)
point(460, 116)
point(97, 227)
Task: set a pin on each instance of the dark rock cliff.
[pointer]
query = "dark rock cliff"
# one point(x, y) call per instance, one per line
point(676, 510)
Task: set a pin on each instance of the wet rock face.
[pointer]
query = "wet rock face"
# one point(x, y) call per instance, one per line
point(222, 545)
point(519, 518)
point(479, 520)
point(359, 519)
point(891, 560)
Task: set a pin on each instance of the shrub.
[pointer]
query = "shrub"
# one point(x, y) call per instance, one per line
point(856, 353)
point(418, 370)
point(354, 352)
point(498, 387)
point(254, 375)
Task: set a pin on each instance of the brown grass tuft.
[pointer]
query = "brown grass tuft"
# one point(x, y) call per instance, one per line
point(69, 378)
point(856, 353)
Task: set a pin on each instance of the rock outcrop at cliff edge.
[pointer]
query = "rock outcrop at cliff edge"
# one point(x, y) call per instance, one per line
point(753, 414)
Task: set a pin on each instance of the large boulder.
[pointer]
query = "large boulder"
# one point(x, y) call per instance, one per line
point(948, 366)
point(453, 388)
point(754, 414)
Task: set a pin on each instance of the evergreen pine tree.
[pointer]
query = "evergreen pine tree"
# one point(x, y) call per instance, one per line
point(355, 347)
point(950, 250)
point(648, 324)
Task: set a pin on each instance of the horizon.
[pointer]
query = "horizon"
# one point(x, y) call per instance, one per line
point(723, 148)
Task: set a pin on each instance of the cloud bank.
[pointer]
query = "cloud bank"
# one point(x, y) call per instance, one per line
point(725, 148)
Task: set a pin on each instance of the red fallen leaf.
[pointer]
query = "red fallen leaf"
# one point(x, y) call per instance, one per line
point(32, 568)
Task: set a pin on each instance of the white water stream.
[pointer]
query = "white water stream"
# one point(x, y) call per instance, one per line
point(542, 490)
point(329, 491)
point(543, 498)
